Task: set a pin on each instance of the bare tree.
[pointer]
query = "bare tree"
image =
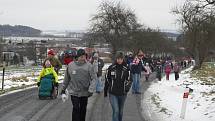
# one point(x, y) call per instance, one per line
point(149, 40)
point(114, 23)
point(198, 26)
point(118, 26)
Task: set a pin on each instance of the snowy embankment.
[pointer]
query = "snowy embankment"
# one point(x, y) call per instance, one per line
point(165, 98)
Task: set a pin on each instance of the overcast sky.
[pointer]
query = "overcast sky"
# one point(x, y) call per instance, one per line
point(75, 14)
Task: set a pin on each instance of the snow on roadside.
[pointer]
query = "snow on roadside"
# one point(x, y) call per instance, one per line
point(18, 77)
point(166, 99)
point(21, 76)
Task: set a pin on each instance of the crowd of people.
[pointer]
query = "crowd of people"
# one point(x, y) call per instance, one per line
point(83, 77)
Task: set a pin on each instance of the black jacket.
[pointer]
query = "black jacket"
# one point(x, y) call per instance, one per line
point(101, 65)
point(117, 81)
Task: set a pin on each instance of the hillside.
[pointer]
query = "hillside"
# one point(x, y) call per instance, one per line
point(18, 30)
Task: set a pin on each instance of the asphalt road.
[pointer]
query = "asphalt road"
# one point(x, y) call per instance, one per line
point(25, 106)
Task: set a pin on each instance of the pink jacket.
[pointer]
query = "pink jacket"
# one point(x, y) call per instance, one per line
point(167, 68)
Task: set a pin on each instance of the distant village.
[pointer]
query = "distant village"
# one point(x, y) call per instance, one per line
point(30, 46)
point(32, 50)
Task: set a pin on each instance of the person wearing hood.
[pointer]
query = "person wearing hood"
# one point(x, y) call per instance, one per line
point(129, 58)
point(136, 68)
point(55, 62)
point(79, 80)
point(49, 79)
point(98, 64)
point(148, 71)
point(117, 84)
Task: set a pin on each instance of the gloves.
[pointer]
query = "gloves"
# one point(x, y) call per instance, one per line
point(38, 84)
point(90, 94)
point(64, 97)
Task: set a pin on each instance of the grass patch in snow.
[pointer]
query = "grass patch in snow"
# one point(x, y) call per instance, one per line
point(211, 93)
point(206, 74)
point(164, 110)
point(156, 100)
point(20, 79)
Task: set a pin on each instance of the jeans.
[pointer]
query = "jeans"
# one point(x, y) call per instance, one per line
point(117, 104)
point(99, 84)
point(79, 108)
point(136, 83)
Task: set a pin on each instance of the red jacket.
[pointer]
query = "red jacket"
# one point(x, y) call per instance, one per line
point(67, 60)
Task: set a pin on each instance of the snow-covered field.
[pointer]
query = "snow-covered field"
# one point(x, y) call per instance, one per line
point(17, 77)
point(165, 98)
point(22, 76)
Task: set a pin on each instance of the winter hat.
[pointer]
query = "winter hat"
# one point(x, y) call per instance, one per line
point(119, 55)
point(51, 52)
point(47, 63)
point(81, 52)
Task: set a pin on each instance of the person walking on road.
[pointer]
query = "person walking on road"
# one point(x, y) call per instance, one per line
point(129, 58)
point(176, 69)
point(148, 71)
point(117, 83)
point(55, 62)
point(98, 64)
point(80, 80)
point(158, 70)
point(167, 70)
point(136, 68)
